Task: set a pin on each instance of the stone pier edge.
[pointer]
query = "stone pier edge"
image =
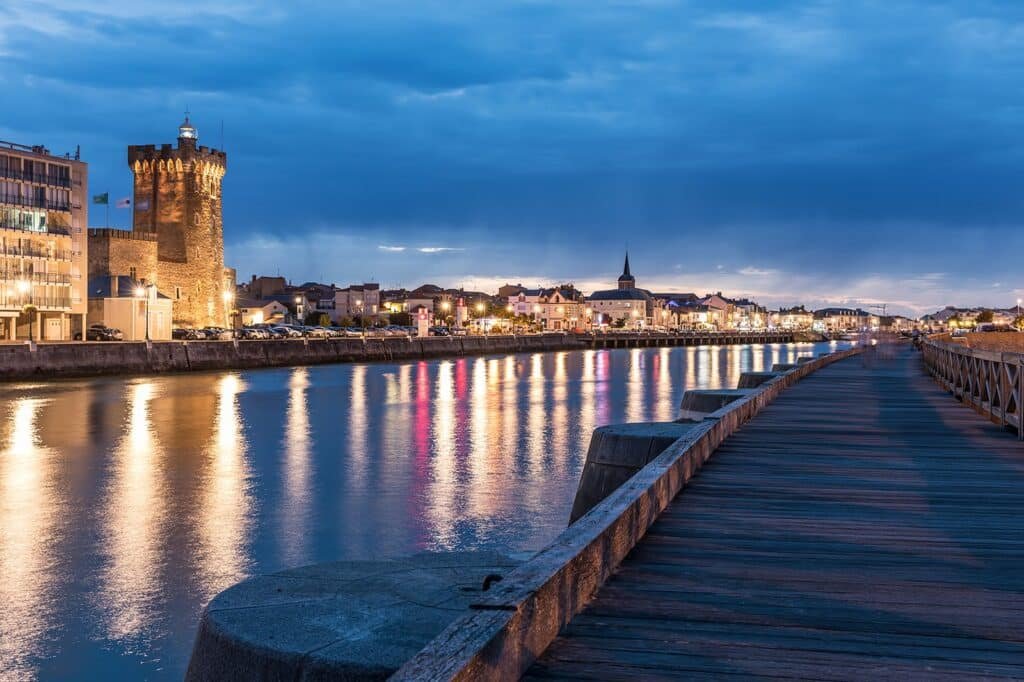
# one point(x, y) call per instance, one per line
point(502, 635)
point(23, 361)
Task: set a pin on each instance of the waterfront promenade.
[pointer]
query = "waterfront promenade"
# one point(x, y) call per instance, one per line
point(863, 525)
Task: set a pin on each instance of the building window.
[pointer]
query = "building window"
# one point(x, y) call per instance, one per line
point(131, 272)
point(177, 293)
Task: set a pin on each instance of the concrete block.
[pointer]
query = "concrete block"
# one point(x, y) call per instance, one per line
point(755, 379)
point(699, 403)
point(783, 366)
point(340, 620)
point(616, 453)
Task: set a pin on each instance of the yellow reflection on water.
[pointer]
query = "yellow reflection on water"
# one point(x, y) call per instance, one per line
point(560, 413)
point(225, 507)
point(480, 451)
point(29, 529)
point(713, 378)
point(665, 410)
point(358, 425)
point(509, 403)
point(733, 366)
point(441, 497)
point(536, 418)
point(298, 446)
point(134, 518)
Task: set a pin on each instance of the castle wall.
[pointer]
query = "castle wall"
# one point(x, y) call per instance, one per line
point(117, 252)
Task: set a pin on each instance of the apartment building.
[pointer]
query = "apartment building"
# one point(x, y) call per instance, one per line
point(43, 244)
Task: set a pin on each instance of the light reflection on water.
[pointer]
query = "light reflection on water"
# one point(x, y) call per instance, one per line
point(126, 504)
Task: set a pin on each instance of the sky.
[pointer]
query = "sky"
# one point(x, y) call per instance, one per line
point(826, 153)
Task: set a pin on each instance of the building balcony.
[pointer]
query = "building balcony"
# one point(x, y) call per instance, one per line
point(50, 229)
point(11, 278)
point(37, 178)
point(34, 202)
point(28, 252)
point(43, 303)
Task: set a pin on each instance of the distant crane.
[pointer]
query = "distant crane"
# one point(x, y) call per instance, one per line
point(882, 307)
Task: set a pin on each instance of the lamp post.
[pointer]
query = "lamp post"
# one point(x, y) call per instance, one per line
point(142, 292)
point(228, 298)
point(480, 308)
point(25, 289)
point(298, 310)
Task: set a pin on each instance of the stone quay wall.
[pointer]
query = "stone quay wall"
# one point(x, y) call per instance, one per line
point(68, 360)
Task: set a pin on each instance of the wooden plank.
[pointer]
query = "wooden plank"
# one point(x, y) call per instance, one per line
point(862, 525)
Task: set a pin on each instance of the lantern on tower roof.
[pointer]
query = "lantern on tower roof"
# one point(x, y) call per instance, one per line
point(186, 131)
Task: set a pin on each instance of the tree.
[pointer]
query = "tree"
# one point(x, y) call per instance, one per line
point(346, 322)
point(619, 323)
point(1018, 322)
point(401, 319)
point(985, 316)
point(318, 319)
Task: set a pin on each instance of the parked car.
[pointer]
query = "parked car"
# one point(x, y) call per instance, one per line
point(288, 332)
point(99, 332)
point(252, 333)
point(218, 334)
point(183, 334)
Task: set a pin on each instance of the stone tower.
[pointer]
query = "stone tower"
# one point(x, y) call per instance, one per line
point(178, 199)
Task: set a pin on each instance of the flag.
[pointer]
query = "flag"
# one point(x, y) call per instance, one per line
point(123, 203)
point(143, 205)
point(101, 198)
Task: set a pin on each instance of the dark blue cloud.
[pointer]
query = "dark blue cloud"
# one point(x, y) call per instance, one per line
point(789, 149)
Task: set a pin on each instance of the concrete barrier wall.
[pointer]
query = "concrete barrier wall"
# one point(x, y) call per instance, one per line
point(60, 360)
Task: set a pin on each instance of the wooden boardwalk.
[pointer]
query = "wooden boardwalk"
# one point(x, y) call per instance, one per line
point(865, 525)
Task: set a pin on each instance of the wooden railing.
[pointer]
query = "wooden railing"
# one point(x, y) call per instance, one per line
point(989, 381)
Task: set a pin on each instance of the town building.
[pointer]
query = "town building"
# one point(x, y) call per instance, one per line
point(43, 244)
point(261, 311)
point(744, 314)
point(358, 301)
point(795, 318)
point(625, 306)
point(559, 308)
point(265, 287)
point(833, 320)
point(128, 304)
point(509, 291)
point(693, 315)
point(178, 214)
point(526, 302)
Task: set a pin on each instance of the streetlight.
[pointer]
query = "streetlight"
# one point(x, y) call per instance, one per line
point(140, 291)
point(228, 298)
point(298, 310)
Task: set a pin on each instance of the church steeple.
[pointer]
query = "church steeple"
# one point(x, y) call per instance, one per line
point(626, 280)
